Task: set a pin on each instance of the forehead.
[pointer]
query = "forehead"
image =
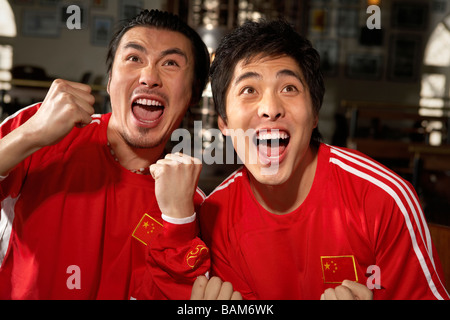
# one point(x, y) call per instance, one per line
point(156, 39)
point(260, 63)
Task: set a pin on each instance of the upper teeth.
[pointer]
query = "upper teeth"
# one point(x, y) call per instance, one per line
point(147, 102)
point(273, 135)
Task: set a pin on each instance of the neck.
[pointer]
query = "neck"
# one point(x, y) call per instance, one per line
point(131, 158)
point(288, 196)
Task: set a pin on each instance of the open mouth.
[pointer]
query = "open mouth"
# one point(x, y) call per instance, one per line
point(272, 143)
point(147, 110)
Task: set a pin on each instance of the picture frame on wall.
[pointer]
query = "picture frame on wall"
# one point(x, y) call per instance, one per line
point(347, 24)
point(404, 57)
point(410, 15)
point(102, 28)
point(99, 4)
point(364, 66)
point(49, 3)
point(130, 8)
point(329, 55)
point(318, 21)
point(43, 23)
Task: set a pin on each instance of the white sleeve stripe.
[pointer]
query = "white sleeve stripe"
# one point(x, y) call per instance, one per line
point(7, 215)
point(402, 208)
point(402, 189)
point(226, 183)
point(201, 193)
point(416, 202)
point(17, 113)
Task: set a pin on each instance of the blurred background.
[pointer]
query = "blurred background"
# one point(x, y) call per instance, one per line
point(387, 74)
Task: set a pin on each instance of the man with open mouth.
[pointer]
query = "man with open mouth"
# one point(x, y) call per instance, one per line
point(302, 219)
point(90, 206)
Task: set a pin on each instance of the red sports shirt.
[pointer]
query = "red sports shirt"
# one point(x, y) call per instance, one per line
point(76, 225)
point(359, 220)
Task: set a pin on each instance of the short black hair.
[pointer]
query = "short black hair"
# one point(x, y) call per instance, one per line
point(266, 39)
point(167, 21)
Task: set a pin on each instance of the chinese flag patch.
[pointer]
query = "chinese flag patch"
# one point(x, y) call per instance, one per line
point(146, 229)
point(336, 269)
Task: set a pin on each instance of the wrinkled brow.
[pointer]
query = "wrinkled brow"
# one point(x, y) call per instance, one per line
point(137, 46)
point(290, 73)
point(247, 75)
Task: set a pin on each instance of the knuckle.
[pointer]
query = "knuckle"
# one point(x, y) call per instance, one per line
point(91, 99)
point(59, 84)
point(328, 291)
point(216, 279)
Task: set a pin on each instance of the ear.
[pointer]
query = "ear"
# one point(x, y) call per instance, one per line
point(109, 83)
point(222, 126)
point(316, 121)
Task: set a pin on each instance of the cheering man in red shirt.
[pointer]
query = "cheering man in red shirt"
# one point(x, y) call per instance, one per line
point(303, 217)
point(82, 216)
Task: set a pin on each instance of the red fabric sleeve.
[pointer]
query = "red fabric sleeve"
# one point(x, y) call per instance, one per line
point(225, 262)
point(175, 259)
point(409, 265)
point(11, 184)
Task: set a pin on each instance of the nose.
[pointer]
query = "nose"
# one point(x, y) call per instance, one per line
point(270, 107)
point(150, 77)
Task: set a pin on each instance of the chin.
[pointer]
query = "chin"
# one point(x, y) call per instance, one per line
point(268, 175)
point(142, 140)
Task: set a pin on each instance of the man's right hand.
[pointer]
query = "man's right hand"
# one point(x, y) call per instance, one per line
point(348, 290)
point(66, 105)
point(213, 289)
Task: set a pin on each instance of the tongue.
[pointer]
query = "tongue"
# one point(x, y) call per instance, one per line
point(271, 151)
point(147, 113)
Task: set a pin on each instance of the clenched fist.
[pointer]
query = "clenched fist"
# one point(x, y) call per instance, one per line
point(176, 177)
point(66, 105)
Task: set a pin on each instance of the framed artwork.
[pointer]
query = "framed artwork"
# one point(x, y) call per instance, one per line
point(102, 27)
point(404, 57)
point(318, 20)
point(410, 15)
point(347, 22)
point(49, 3)
point(329, 55)
point(24, 2)
point(41, 23)
point(350, 2)
point(130, 8)
point(364, 66)
point(99, 4)
point(320, 1)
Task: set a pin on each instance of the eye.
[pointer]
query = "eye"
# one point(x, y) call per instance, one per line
point(248, 90)
point(171, 63)
point(290, 88)
point(133, 58)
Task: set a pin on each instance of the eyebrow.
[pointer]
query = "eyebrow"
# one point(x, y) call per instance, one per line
point(252, 74)
point(290, 73)
point(137, 46)
point(174, 51)
point(247, 75)
point(134, 45)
